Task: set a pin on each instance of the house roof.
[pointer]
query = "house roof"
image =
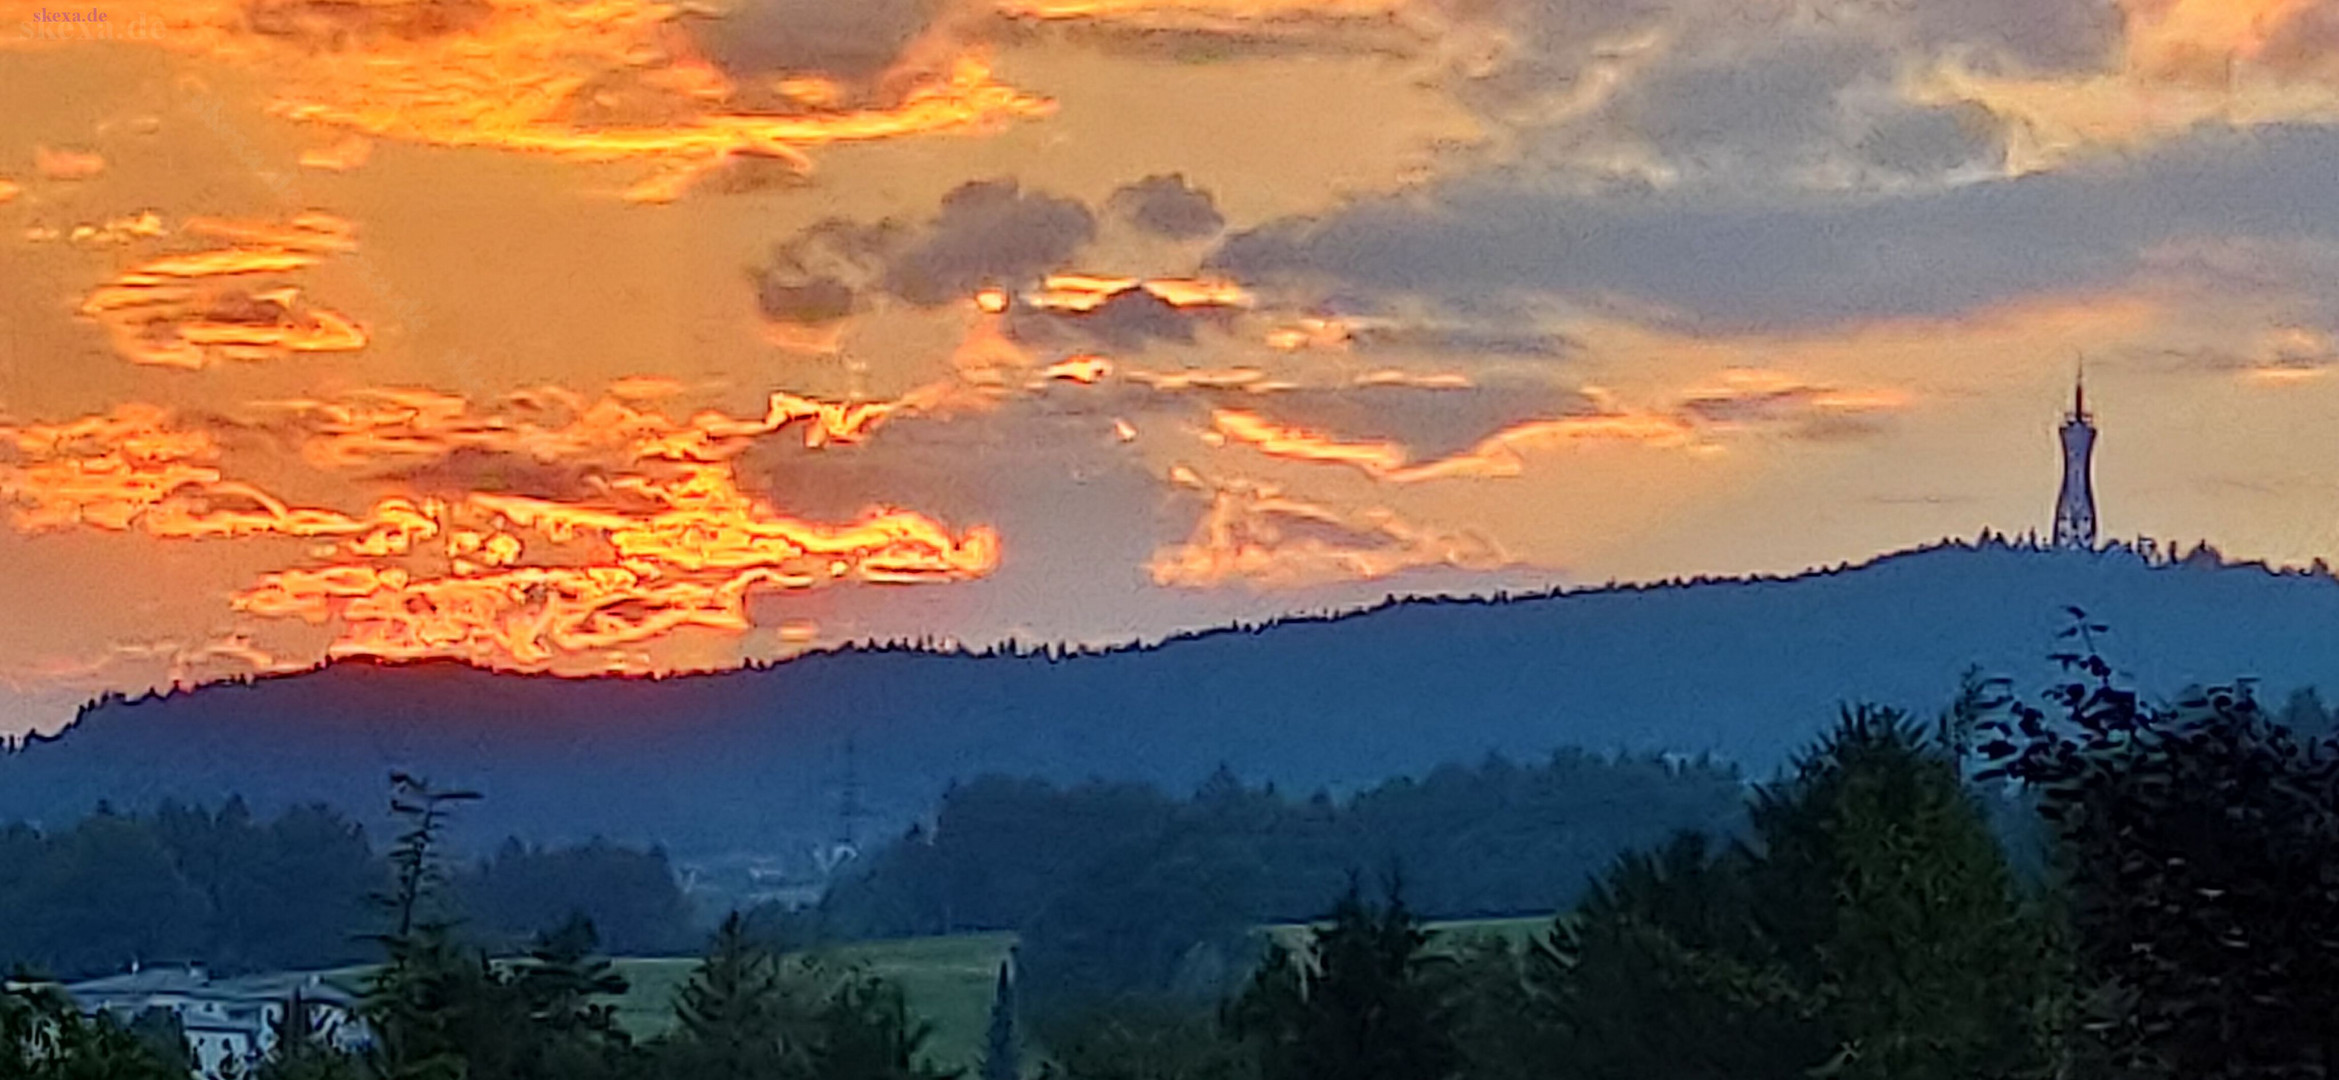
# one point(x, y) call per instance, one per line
point(328, 987)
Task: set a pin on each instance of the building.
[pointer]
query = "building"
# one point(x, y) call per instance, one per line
point(2075, 505)
point(230, 1024)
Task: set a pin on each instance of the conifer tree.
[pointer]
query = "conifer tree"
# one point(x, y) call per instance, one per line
point(416, 998)
point(867, 1033)
point(1870, 928)
point(1002, 1048)
point(1361, 1004)
point(739, 1018)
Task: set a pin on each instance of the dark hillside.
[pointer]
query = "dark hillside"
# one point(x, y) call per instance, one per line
point(751, 760)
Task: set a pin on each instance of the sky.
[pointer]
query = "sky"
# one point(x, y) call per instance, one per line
point(628, 336)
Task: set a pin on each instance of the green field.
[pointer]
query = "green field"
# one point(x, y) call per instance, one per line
point(948, 982)
point(1517, 931)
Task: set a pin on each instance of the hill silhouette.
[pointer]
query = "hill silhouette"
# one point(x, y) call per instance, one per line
point(751, 761)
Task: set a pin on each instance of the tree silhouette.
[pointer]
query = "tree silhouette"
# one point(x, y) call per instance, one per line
point(740, 1017)
point(867, 1033)
point(2200, 846)
point(414, 864)
point(1360, 1004)
point(1002, 1045)
point(1869, 927)
point(43, 1037)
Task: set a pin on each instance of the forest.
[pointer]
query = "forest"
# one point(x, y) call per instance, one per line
point(1863, 920)
point(186, 884)
point(1495, 839)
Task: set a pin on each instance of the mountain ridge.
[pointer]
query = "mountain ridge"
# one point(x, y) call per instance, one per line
point(750, 759)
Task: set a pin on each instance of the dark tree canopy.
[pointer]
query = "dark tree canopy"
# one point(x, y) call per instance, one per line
point(2199, 848)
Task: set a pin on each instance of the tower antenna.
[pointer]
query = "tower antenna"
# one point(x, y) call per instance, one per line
point(849, 808)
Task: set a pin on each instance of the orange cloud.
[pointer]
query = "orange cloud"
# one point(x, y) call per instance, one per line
point(1501, 454)
point(1086, 370)
point(112, 232)
point(1079, 293)
point(1244, 378)
point(1378, 459)
point(1739, 398)
point(1198, 14)
point(131, 469)
point(1254, 534)
point(9, 190)
point(1742, 397)
point(344, 155)
point(402, 429)
point(1411, 380)
point(1312, 334)
point(653, 556)
point(194, 310)
point(2282, 356)
point(53, 163)
point(604, 81)
point(659, 538)
point(656, 536)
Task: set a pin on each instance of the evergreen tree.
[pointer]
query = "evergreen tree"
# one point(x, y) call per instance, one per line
point(418, 878)
point(1361, 1004)
point(1662, 971)
point(1869, 928)
point(423, 1000)
point(1002, 1047)
point(1147, 1039)
point(740, 1017)
point(867, 1033)
point(1882, 888)
point(568, 994)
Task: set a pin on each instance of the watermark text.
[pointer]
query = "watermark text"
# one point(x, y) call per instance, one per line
point(93, 24)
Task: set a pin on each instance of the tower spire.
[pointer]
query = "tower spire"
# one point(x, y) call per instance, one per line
point(2075, 504)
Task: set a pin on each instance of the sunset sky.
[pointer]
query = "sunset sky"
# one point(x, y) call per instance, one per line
point(598, 336)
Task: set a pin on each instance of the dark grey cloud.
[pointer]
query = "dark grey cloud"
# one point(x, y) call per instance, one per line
point(820, 300)
point(1795, 109)
point(1795, 412)
point(819, 275)
point(468, 469)
point(1735, 94)
point(1557, 40)
point(1167, 205)
point(1931, 142)
point(1129, 319)
point(1457, 337)
point(1793, 260)
point(989, 233)
point(1766, 110)
point(2041, 35)
point(853, 40)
